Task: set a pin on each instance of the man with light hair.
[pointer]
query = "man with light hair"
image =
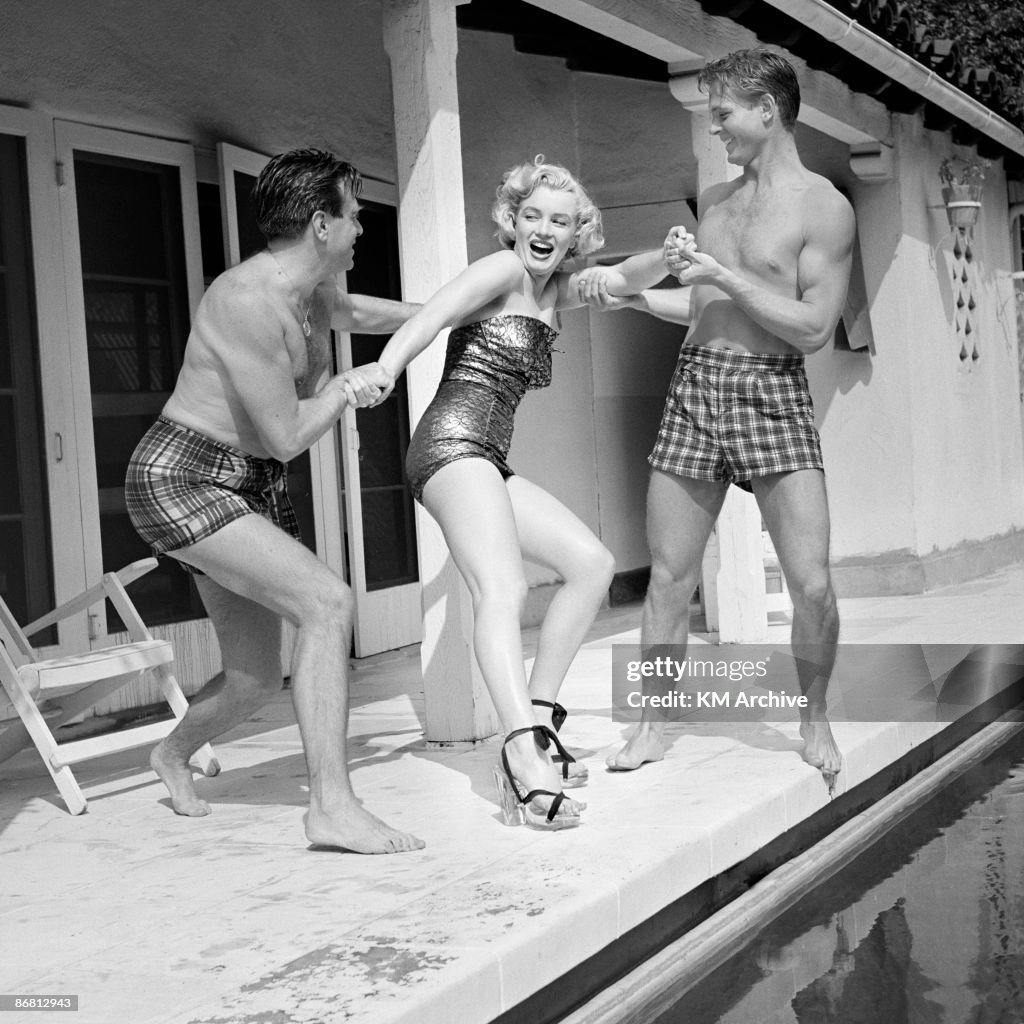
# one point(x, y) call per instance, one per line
point(762, 286)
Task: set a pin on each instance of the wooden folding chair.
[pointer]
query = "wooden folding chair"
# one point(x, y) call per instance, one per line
point(48, 693)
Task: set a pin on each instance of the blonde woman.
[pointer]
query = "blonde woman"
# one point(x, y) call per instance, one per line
point(503, 309)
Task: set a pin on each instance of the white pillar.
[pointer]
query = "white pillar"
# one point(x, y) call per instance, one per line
point(732, 576)
point(420, 39)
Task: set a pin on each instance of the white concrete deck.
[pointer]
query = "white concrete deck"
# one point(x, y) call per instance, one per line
point(150, 918)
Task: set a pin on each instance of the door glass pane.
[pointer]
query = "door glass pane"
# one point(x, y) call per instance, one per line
point(136, 321)
point(250, 238)
point(389, 534)
point(211, 238)
point(26, 564)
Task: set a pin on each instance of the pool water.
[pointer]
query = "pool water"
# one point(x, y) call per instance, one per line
point(926, 927)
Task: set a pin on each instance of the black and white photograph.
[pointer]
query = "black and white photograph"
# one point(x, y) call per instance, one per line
point(512, 512)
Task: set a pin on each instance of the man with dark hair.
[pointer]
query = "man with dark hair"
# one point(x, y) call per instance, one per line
point(764, 283)
point(207, 484)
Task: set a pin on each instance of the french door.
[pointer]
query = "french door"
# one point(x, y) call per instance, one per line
point(42, 544)
point(133, 279)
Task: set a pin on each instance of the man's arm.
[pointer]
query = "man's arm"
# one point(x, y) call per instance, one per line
point(672, 304)
point(823, 275)
point(367, 314)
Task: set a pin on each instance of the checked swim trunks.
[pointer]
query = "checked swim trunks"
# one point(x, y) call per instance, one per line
point(183, 486)
point(732, 416)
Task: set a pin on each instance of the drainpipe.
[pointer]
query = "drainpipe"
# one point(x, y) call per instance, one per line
point(852, 37)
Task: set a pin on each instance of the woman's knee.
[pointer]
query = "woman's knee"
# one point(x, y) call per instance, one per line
point(594, 567)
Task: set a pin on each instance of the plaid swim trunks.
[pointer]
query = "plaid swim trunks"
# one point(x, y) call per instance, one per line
point(183, 486)
point(732, 416)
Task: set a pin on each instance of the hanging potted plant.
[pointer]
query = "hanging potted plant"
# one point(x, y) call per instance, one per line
point(962, 181)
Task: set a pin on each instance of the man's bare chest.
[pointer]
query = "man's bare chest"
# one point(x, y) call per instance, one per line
point(311, 353)
point(763, 237)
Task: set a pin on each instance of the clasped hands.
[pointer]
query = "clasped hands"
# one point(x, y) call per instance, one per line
point(366, 386)
point(685, 261)
point(682, 260)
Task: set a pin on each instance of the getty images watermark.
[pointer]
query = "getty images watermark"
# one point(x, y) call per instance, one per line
point(867, 682)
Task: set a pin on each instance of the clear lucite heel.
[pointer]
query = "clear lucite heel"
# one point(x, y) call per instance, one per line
point(508, 800)
point(516, 807)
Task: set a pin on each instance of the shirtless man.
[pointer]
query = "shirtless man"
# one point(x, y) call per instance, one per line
point(207, 484)
point(764, 283)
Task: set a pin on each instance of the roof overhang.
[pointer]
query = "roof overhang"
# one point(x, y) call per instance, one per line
point(838, 96)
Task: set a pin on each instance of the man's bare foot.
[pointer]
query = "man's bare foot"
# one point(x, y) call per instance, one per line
point(176, 775)
point(357, 830)
point(643, 746)
point(820, 750)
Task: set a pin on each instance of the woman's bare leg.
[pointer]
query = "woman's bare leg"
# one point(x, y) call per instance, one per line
point(469, 500)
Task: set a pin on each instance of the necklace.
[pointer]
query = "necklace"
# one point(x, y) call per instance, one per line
point(307, 328)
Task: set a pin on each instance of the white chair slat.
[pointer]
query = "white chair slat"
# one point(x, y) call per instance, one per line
point(80, 669)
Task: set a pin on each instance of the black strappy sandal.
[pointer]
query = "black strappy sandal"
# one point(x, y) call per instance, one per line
point(515, 806)
point(558, 717)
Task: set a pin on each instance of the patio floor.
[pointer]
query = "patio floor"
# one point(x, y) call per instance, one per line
point(150, 918)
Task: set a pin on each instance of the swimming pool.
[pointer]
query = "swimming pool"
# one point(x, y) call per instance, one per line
point(926, 926)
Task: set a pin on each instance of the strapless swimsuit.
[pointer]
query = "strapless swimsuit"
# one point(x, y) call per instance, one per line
point(488, 368)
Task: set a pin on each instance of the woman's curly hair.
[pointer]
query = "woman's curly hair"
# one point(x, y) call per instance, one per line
point(519, 182)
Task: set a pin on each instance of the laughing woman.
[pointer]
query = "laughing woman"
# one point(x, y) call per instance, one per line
point(502, 309)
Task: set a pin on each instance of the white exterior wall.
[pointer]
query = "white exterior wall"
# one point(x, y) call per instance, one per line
point(966, 443)
point(923, 450)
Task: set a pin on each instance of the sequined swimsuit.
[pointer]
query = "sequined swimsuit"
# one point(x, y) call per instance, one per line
point(488, 368)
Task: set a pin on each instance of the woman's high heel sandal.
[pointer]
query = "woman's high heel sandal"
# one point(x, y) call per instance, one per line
point(515, 806)
point(580, 774)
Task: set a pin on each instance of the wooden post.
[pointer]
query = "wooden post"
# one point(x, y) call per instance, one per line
point(732, 575)
point(420, 39)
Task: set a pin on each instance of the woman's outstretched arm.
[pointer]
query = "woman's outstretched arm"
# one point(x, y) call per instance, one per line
point(480, 283)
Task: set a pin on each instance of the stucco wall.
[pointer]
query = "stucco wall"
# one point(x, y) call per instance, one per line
point(966, 442)
point(859, 397)
point(923, 450)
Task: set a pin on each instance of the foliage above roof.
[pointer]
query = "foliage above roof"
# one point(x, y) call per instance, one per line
point(990, 34)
